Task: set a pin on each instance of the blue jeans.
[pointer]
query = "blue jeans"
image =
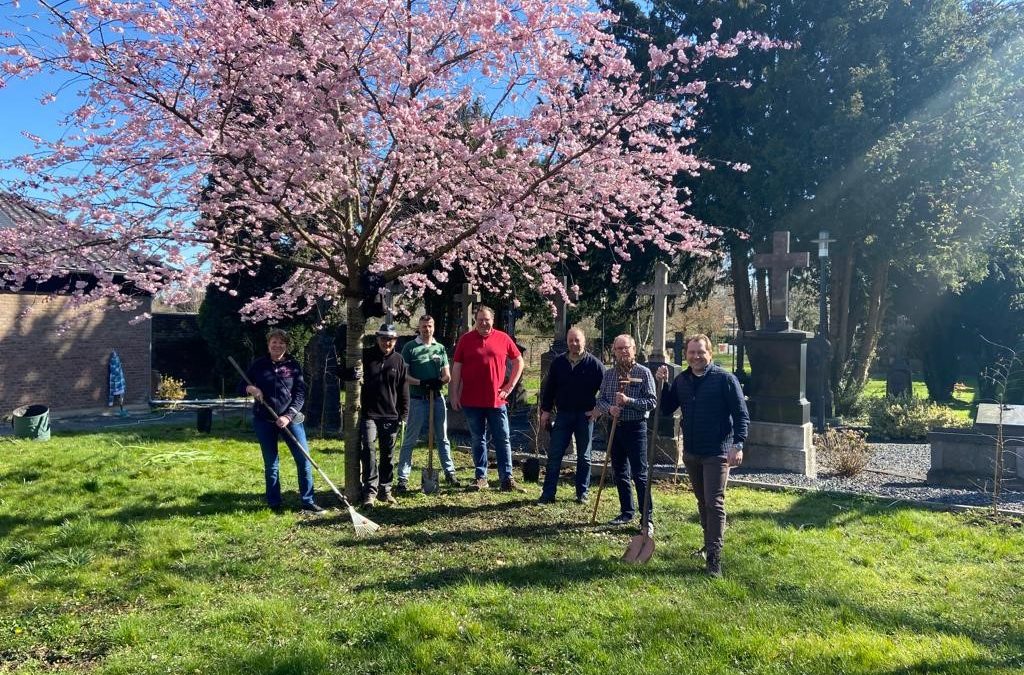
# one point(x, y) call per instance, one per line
point(629, 461)
point(496, 421)
point(418, 422)
point(569, 423)
point(267, 433)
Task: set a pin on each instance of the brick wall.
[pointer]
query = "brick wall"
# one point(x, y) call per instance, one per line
point(56, 355)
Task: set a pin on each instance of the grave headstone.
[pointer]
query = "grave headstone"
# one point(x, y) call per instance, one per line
point(899, 377)
point(558, 343)
point(781, 431)
point(679, 348)
point(466, 299)
point(667, 448)
point(966, 457)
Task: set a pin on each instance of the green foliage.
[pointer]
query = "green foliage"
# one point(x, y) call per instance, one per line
point(178, 567)
point(170, 389)
point(908, 418)
point(845, 451)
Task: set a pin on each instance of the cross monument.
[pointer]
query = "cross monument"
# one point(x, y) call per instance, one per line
point(661, 290)
point(779, 263)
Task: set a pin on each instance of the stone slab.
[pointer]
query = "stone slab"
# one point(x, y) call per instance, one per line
point(965, 458)
point(781, 447)
point(988, 418)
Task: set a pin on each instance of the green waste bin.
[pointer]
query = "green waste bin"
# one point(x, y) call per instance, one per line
point(32, 421)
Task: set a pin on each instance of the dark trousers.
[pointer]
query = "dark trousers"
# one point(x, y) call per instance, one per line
point(629, 462)
point(708, 476)
point(376, 453)
point(569, 424)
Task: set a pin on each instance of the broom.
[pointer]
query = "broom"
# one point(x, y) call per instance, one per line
point(363, 525)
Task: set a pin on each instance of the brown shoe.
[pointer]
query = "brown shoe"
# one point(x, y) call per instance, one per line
point(510, 485)
point(386, 497)
point(479, 484)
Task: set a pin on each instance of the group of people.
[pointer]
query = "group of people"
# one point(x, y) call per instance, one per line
point(486, 366)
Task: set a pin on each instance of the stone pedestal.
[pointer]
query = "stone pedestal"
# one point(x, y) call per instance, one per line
point(781, 447)
point(780, 436)
point(966, 458)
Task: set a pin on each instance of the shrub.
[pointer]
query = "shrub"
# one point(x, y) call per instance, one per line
point(170, 389)
point(907, 418)
point(843, 450)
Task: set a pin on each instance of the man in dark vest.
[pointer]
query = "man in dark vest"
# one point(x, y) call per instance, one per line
point(714, 425)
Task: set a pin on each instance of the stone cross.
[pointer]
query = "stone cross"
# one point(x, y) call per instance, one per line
point(661, 290)
point(466, 299)
point(387, 300)
point(779, 263)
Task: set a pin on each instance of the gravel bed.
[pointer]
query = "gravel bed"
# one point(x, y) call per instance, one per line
point(896, 471)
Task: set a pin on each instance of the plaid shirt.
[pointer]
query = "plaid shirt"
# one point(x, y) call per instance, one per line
point(642, 396)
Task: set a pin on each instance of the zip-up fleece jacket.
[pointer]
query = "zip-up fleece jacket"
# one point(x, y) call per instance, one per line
point(714, 411)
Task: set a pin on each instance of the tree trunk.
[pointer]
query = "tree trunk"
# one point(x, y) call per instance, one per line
point(872, 326)
point(350, 417)
point(839, 330)
point(762, 298)
point(742, 299)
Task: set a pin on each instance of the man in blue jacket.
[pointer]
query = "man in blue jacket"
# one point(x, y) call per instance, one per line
point(714, 425)
point(571, 388)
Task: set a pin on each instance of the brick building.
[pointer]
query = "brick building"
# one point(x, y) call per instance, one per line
point(56, 354)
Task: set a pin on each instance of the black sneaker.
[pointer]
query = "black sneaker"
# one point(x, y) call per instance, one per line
point(450, 479)
point(714, 566)
point(582, 499)
point(621, 519)
point(313, 508)
point(546, 500)
point(402, 487)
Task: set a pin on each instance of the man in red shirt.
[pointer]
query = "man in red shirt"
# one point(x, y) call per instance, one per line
point(480, 388)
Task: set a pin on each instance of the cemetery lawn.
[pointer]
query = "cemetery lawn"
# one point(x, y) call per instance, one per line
point(151, 552)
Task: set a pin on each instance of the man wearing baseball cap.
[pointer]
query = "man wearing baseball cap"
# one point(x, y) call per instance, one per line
point(385, 403)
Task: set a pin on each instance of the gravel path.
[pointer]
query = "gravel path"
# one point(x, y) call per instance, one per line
point(896, 471)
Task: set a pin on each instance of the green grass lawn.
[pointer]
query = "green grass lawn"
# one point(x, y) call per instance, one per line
point(151, 552)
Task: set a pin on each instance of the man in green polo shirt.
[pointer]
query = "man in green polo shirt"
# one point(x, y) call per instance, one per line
point(428, 371)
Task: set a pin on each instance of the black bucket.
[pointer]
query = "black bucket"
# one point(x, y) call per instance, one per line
point(204, 420)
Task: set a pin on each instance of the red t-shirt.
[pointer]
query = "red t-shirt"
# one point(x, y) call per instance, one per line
point(483, 366)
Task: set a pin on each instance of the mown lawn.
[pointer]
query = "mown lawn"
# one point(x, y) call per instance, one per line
point(150, 552)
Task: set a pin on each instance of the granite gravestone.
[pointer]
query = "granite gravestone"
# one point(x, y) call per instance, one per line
point(899, 378)
point(781, 433)
point(966, 457)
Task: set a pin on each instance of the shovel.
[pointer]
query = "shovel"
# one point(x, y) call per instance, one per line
point(428, 478)
point(623, 383)
point(363, 525)
point(641, 546)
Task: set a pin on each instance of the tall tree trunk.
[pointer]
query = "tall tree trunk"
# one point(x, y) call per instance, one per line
point(762, 298)
point(877, 300)
point(742, 299)
point(839, 329)
point(350, 417)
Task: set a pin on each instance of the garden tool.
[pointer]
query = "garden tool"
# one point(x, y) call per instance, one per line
point(428, 478)
point(641, 546)
point(623, 383)
point(363, 525)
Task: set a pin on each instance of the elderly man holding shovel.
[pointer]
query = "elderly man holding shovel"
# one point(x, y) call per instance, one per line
point(427, 361)
point(628, 395)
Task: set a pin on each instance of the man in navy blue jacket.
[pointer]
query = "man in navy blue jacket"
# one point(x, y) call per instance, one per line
point(714, 425)
point(571, 388)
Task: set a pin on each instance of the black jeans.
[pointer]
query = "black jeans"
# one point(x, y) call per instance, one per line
point(709, 476)
point(629, 461)
point(376, 468)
